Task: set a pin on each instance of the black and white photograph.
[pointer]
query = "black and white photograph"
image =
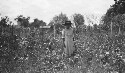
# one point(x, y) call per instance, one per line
point(62, 36)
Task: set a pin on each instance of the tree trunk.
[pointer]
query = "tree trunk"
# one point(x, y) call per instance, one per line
point(111, 29)
point(54, 32)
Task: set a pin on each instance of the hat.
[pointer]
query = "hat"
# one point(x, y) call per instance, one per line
point(67, 23)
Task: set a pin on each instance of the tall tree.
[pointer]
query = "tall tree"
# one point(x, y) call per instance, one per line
point(118, 8)
point(57, 22)
point(106, 21)
point(120, 22)
point(62, 18)
point(4, 21)
point(23, 21)
point(37, 23)
point(78, 19)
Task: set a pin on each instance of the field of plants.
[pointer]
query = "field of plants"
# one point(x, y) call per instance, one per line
point(27, 48)
point(36, 51)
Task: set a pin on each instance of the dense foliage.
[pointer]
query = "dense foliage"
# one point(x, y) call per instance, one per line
point(37, 23)
point(57, 22)
point(30, 49)
point(117, 10)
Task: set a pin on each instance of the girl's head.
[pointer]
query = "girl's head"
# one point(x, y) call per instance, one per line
point(67, 24)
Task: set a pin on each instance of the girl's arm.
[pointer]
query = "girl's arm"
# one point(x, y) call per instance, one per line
point(63, 35)
point(74, 31)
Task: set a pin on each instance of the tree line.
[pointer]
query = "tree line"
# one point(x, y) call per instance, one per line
point(115, 15)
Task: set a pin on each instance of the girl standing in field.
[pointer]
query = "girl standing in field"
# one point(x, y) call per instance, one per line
point(68, 35)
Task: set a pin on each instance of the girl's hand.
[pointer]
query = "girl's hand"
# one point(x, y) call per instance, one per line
point(63, 39)
point(64, 44)
point(73, 39)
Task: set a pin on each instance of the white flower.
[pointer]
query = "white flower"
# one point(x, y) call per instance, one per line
point(107, 52)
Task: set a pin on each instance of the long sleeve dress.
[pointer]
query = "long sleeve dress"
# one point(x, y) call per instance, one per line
point(69, 43)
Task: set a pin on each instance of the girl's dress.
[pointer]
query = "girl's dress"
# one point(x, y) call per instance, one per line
point(69, 43)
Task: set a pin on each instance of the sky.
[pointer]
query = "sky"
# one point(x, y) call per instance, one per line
point(46, 9)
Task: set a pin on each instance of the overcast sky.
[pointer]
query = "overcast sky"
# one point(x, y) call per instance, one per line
point(47, 9)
